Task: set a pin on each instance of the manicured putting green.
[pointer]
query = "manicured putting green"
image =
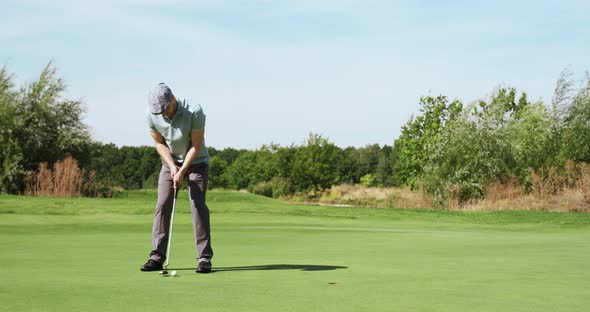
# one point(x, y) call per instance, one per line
point(84, 255)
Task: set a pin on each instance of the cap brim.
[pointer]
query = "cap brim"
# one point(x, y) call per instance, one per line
point(159, 108)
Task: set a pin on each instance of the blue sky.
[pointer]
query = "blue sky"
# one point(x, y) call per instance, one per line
point(274, 71)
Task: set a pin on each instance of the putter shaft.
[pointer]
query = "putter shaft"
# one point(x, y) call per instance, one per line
point(170, 233)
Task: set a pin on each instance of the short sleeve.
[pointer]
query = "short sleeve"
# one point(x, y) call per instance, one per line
point(198, 119)
point(150, 122)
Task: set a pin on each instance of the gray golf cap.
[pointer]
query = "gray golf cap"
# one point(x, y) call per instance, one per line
point(159, 98)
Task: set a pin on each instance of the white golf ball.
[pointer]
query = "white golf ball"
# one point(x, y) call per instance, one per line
point(173, 273)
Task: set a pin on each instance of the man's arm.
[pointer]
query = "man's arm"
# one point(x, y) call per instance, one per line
point(164, 152)
point(197, 137)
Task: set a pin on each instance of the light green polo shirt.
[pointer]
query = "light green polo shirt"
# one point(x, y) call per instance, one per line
point(177, 131)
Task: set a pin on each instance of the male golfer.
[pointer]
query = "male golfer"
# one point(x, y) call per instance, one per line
point(178, 130)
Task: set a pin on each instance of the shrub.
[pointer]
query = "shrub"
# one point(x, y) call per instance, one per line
point(152, 181)
point(275, 188)
point(368, 180)
point(263, 188)
point(281, 187)
point(464, 159)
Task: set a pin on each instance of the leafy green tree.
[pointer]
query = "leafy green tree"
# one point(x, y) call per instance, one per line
point(105, 161)
point(219, 161)
point(530, 139)
point(367, 159)
point(217, 167)
point(489, 140)
point(418, 133)
point(50, 127)
point(349, 166)
point(368, 180)
point(253, 167)
point(502, 107)
point(316, 164)
point(149, 163)
point(228, 154)
point(576, 127)
point(137, 165)
point(383, 171)
point(395, 178)
point(569, 134)
point(38, 125)
point(10, 151)
point(464, 159)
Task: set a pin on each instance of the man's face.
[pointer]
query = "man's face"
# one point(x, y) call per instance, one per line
point(171, 109)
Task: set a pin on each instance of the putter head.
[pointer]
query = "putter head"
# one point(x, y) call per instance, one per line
point(164, 273)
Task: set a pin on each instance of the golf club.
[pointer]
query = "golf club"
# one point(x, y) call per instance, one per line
point(165, 271)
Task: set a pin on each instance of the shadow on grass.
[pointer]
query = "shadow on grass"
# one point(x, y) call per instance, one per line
point(273, 267)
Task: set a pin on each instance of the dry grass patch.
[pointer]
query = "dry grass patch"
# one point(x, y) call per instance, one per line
point(64, 180)
point(379, 197)
point(568, 191)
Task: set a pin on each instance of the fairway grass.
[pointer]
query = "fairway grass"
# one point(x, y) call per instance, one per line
point(61, 254)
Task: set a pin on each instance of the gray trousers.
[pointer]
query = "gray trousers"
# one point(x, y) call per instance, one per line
point(197, 177)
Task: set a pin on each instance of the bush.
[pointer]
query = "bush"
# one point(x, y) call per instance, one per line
point(411, 148)
point(465, 158)
point(275, 188)
point(263, 188)
point(530, 137)
point(281, 187)
point(152, 181)
point(368, 180)
point(576, 128)
point(217, 178)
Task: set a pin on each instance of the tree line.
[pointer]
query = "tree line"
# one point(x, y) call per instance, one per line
point(449, 149)
point(455, 151)
point(38, 125)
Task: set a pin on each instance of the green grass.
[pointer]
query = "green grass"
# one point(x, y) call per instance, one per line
point(61, 254)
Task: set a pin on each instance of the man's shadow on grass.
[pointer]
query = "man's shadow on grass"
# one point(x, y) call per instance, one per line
point(273, 267)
